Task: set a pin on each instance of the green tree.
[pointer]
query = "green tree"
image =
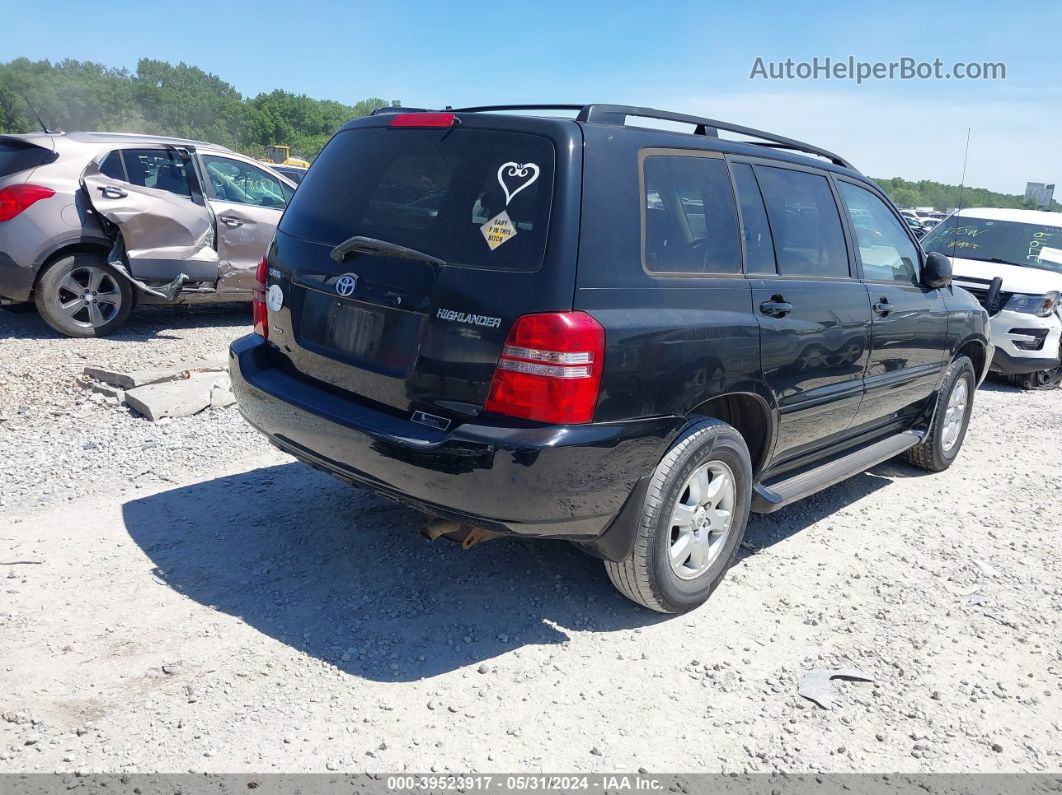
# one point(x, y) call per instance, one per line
point(164, 99)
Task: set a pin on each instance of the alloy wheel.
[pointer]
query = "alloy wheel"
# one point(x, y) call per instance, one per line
point(701, 519)
point(89, 296)
point(955, 414)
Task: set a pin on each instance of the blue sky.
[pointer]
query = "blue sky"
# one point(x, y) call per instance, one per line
point(689, 56)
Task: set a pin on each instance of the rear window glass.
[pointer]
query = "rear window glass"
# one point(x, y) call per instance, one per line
point(690, 222)
point(16, 157)
point(479, 198)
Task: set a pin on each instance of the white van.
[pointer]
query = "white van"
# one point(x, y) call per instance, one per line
point(1024, 249)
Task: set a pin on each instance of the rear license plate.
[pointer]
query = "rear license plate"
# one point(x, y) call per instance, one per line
point(385, 338)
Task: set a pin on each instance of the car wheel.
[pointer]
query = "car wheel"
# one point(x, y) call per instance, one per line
point(1041, 379)
point(82, 296)
point(942, 442)
point(693, 520)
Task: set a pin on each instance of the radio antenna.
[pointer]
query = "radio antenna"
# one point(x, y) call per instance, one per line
point(962, 187)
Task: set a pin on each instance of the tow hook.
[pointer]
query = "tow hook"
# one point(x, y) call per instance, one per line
point(466, 535)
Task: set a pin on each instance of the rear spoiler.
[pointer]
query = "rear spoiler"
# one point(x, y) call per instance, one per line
point(39, 140)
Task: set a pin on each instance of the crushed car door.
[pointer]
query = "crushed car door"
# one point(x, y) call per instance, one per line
point(248, 202)
point(153, 197)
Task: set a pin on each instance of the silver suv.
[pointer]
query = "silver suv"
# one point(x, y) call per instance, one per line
point(93, 223)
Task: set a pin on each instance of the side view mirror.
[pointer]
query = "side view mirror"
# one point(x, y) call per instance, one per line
point(937, 271)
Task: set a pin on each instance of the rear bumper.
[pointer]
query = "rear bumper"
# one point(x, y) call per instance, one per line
point(16, 283)
point(558, 481)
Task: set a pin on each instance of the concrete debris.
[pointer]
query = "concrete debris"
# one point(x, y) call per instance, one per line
point(221, 396)
point(130, 379)
point(171, 399)
point(181, 390)
point(102, 388)
point(815, 685)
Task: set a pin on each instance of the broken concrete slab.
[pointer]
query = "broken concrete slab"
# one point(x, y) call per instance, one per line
point(170, 398)
point(104, 389)
point(131, 379)
point(221, 396)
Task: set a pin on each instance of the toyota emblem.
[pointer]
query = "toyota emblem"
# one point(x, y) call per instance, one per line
point(346, 283)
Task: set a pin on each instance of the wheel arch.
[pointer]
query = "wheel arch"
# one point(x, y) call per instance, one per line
point(977, 351)
point(79, 246)
point(751, 416)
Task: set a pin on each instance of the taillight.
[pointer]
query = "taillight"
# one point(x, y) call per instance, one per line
point(258, 305)
point(16, 198)
point(550, 369)
point(423, 120)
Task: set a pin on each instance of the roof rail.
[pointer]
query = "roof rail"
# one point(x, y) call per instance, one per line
point(483, 108)
point(617, 114)
point(396, 109)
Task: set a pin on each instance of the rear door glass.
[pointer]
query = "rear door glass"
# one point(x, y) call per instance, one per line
point(808, 238)
point(161, 169)
point(478, 198)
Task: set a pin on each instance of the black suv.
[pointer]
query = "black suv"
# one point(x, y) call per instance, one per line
point(583, 329)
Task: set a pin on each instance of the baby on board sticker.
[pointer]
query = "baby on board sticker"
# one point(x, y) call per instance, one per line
point(513, 178)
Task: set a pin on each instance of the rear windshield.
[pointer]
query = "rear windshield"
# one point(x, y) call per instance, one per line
point(16, 156)
point(478, 198)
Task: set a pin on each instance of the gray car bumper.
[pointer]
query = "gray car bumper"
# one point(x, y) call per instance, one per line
point(16, 283)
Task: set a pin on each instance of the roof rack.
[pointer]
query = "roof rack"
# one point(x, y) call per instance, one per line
point(617, 115)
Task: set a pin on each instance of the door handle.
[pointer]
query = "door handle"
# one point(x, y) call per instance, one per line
point(776, 307)
point(231, 222)
point(111, 192)
point(883, 307)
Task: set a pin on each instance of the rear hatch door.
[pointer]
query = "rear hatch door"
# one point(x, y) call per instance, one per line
point(495, 197)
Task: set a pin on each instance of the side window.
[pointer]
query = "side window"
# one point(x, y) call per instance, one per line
point(112, 166)
point(759, 248)
point(690, 220)
point(885, 250)
point(156, 168)
point(242, 183)
point(808, 238)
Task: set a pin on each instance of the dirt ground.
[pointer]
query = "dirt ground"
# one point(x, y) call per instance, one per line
point(228, 609)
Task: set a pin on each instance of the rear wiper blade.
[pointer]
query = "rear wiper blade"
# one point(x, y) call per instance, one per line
point(372, 245)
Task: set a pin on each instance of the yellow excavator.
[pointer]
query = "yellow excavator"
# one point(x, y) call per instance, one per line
point(280, 155)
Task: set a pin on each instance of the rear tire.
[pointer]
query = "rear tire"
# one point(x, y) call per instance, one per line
point(942, 443)
point(82, 296)
point(701, 491)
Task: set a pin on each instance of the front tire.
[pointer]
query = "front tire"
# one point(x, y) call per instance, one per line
point(692, 523)
point(82, 296)
point(941, 445)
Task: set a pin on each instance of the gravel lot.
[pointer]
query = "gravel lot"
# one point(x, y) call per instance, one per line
point(181, 597)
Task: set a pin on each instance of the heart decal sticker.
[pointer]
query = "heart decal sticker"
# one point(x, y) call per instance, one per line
point(516, 174)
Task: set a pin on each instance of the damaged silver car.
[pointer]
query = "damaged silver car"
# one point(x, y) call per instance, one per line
point(92, 224)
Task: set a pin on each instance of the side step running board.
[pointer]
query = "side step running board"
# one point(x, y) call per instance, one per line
point(766, 499)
